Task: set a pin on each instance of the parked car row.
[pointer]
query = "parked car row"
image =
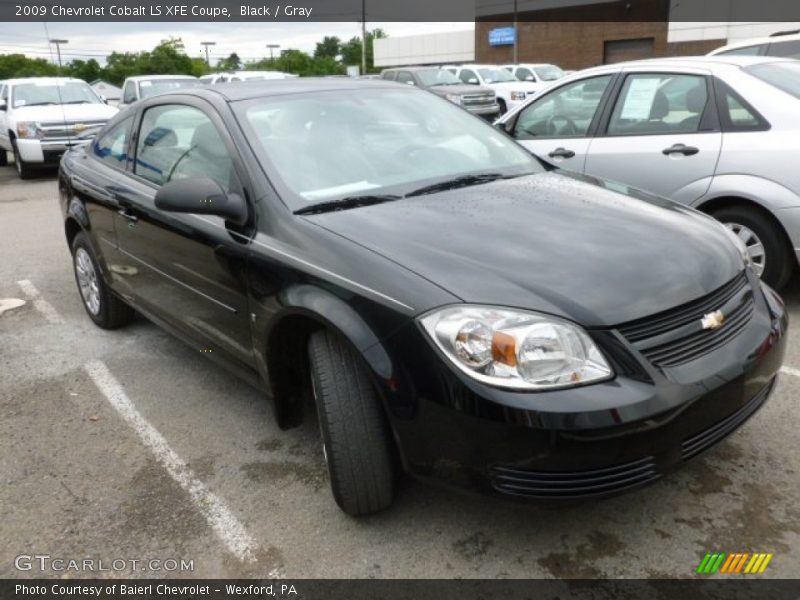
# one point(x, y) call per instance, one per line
point(447, 304)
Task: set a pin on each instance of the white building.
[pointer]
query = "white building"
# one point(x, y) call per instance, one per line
point(425, 49)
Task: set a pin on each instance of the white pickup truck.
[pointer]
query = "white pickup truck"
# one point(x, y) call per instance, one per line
point(40, 117)
point(509, 90)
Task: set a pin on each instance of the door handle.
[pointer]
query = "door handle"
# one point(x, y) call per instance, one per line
point(561, 153)
point(680, 149)
point(123, 212)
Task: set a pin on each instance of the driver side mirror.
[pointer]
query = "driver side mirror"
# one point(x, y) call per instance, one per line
point(201, 196)
point(528, 77)
point(472, 81)
point(103, 99)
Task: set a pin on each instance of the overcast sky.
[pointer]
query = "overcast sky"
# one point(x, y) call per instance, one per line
point(248, 40)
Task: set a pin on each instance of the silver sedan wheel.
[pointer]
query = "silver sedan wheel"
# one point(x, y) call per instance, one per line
point(753, 244)
point(87, 281)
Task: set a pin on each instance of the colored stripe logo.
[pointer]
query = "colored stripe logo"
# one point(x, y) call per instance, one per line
point(746, 563)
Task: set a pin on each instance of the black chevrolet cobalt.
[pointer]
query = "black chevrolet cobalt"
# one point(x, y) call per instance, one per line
point(446, 304)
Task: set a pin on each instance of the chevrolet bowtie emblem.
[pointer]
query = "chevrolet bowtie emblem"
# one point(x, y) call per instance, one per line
point(713, 320)
point(80, 127)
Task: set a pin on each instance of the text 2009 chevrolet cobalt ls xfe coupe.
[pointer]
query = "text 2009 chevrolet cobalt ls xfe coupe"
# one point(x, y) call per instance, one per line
point(453, 308)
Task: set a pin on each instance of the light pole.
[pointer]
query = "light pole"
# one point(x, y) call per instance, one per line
point(58, 50)
point(271, 48)
point(363, 37)
point(516, 34)
point(206, 45)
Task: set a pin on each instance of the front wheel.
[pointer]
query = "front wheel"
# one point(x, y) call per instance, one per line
point(503, 108)
point(772, 259)
point(24, 170)
point(355, 435)
point(102, 306)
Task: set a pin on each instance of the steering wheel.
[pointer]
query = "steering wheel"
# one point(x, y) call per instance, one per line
point(567, 126)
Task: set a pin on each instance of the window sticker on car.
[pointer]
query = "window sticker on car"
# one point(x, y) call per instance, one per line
point(639, 99)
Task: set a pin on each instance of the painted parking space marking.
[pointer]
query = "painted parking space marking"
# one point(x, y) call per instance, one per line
point(39, 303)
point(225, 525)
point(790, 371)
point(7, 304)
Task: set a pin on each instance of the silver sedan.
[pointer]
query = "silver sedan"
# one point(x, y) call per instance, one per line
point(721, 134)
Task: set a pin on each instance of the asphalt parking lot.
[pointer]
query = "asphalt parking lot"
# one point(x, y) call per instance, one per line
point(130, 445)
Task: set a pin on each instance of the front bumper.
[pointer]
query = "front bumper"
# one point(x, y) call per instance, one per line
point(44, 151)
point(485, 111)
point(586, 442)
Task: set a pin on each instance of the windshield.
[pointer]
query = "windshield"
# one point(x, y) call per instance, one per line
point(549, 73)
point(334, 145)
point(151, 87)
point(39, 94)
point(431, 77)
point(496, 75)
point(784, 76)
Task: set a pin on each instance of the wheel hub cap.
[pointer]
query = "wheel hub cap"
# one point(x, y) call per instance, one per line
point(87, 281)
point(753, 244)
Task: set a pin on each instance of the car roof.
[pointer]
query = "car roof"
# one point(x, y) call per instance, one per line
point(772, 39)
point(415, 68)
point(153, 77)
point(18, 80)
point(240, 90)
point(700, 62)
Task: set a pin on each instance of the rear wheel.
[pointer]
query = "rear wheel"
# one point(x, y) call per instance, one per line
point(771, 256)
point(355, 435)
point(102, 306)
point(24, 170)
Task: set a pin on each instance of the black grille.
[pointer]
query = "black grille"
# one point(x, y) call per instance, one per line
point(574, 484)
point(708, 437)
point(676, 336)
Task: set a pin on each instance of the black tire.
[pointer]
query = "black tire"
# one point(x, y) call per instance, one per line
point(354, 430)
point(3, 157)
point(112, 312)
point(503, 108)
point(779, 260)
point(24, 170)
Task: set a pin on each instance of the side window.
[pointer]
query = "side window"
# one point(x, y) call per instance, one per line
point(181, 142)
point(736, 113)
point(789, 49)
point(405, 77)
point(112, 148)
point(565, 112)
point(129, 94)
point(524, 74)
point(468, 76)
point(390, 75)
point(746, 51)
point(654, 103)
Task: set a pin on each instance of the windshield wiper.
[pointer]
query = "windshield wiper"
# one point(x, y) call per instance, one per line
point(345, 203)
point(78, 102)
point(459, 182)
point(38, 104)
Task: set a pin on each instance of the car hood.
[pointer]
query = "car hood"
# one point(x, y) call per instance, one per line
point(562, 244)
point(461, 90)
point(65, 112)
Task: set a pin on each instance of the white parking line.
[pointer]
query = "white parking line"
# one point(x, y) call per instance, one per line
point(790, 371)
point(227, 527)
point(39, 303)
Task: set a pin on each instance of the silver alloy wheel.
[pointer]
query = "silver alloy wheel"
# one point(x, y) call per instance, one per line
point(87, 281)
point(753, 244)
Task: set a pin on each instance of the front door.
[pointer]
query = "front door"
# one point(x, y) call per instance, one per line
point(188, 270)
point(557, 127)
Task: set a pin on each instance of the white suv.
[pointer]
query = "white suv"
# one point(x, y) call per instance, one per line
point(509, 90)
point(40, 117)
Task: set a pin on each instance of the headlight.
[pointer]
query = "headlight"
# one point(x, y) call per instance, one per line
point(518, 96)
point(740, 246)
point(516, 349)
point(454, 98)
point(28, 130)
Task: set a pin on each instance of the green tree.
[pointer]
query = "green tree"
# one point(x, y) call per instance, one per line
point(88, 70)
point(329, 47)
point(232, 63)
point(19, 65)
point(351, 50)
